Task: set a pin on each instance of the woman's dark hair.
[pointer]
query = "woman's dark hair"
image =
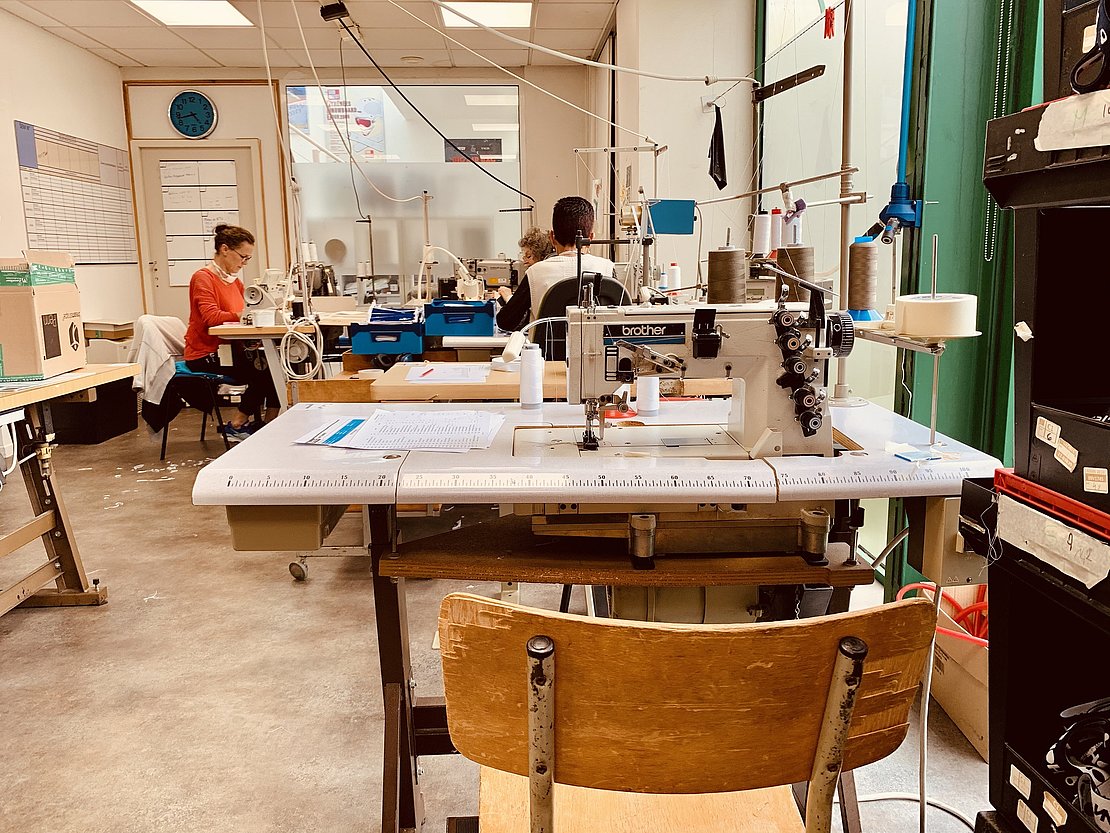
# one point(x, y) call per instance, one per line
point(232, 236)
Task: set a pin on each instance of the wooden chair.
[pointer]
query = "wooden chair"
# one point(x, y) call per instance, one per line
point(606, 726)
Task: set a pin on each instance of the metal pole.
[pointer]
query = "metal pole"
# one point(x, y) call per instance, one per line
point(842, 390)
point(541, 733)
point(933, 415)
point(829, 757)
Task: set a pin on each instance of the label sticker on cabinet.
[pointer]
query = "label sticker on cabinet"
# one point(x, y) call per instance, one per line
point(1054, 810)
point(1026, 816)
point(1095, 480)
point(1066, 454)
point(1021, 782)
point(1048, 431)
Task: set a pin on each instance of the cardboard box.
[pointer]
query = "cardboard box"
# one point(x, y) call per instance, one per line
point(960, 676)
point(108, 350)
point(41, 334)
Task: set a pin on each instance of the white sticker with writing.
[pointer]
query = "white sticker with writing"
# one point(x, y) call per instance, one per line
point(1020, 781)
point(1095, 480)
point(1066, 454)
point(1026, 816)
point(1048, 431)
point(1054, 810)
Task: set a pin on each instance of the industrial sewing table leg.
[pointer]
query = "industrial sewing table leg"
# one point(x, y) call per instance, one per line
point(402, 803)
point(64, 566)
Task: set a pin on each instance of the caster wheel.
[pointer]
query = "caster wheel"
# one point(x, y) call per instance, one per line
point(298, 570)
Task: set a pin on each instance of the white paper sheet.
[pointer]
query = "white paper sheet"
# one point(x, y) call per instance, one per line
point(450, 373)
point(456, 431)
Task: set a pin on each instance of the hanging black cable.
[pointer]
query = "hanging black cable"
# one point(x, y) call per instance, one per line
point(427, 121)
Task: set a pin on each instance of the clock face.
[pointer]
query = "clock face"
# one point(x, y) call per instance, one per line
point(192, 114)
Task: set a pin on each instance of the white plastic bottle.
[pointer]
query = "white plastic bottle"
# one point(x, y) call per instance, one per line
point(674, 276)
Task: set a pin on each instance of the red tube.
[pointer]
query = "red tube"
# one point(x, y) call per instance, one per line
point(959, 612)
point(967, 637)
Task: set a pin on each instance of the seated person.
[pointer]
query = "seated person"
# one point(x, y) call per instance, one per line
point(570, 216)
point(216, 297)
point(535, 246)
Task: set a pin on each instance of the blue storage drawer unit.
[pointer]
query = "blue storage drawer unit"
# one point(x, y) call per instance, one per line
point(459, 318)
point(390, 332)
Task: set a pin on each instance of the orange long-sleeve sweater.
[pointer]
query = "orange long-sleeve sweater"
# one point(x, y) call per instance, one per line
point(211, 302)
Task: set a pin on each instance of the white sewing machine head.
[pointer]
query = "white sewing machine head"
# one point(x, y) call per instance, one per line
point(780, 353)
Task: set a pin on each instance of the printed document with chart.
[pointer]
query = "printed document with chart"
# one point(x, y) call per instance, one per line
point(409, 431)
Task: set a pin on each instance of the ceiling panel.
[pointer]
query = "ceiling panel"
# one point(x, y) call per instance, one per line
point(542, 59)
point(316, 38)
point(573, 15)
point(564, 39)
point(280, 13)
point(376, 13)
point(139, 37)
point(91, 12)
point(116, 58)
point(501, 57)
point(385, 57)
point(27, 13)
point(478, 39)
point(224, 37)
point(252, 57)
point(74, 36)
point(170, 57)
point(402, 38)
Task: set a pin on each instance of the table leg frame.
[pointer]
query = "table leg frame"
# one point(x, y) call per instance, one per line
point(64, 566)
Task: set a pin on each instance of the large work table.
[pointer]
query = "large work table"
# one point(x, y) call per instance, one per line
point(51, 524)
point(278, 494)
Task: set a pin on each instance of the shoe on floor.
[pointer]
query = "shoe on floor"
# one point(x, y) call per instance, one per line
point(236, 435)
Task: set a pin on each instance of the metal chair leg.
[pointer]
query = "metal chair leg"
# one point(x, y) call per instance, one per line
point(165, 435)
point(564, 600)
point(219, 416)
point(541, 733)
point(829, 758)
point(203, 424)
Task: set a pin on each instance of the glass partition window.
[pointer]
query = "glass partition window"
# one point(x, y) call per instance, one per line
point(403, 157)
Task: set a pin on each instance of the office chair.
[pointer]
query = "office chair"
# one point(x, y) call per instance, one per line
point(592, 725)
point(552, 337)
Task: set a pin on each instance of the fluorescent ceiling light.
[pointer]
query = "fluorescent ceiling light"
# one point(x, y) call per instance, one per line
point(495, 128)
point(193, 12)
point(495, 15)
point(488, 100)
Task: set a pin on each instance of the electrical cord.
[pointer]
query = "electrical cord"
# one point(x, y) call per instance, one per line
point(314, 346)
point(347, 131)
point(940, 805)
point(331, 116)
point(705, 79)
point(420, 113)
point(511, 74)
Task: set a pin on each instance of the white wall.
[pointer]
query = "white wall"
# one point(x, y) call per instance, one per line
point(708, 37)
point(74, 92)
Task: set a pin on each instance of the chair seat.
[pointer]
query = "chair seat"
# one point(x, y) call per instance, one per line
point(503, 808)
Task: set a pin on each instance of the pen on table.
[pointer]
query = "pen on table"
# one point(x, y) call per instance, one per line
point(426, 372)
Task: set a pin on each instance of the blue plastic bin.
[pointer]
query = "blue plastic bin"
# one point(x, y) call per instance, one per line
point(459, 318)
point(392, 338)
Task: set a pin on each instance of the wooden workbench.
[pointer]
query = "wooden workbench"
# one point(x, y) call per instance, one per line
point(499, 386)
point(51, 522)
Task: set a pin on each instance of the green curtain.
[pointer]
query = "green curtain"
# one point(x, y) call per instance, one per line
point(982, 62)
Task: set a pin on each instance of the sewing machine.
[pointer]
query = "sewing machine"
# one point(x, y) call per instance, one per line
point(777, 354)
point(272, 292)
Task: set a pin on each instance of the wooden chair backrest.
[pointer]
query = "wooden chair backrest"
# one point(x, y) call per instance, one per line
point(662, 708)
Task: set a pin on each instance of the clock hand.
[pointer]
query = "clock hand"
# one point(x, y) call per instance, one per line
point(192, 116)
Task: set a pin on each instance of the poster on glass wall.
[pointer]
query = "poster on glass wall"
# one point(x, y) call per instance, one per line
point(480, 150)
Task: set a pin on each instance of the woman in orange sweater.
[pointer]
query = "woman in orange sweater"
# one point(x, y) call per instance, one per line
point(216, 297)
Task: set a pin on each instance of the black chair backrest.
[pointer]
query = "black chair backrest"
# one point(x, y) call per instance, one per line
point(552, 337)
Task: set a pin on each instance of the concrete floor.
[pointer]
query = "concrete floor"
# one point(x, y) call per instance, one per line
point(213, 693)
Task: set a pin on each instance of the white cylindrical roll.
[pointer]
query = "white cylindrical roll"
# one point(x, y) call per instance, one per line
point(531, 377)
point(776, 230)
point(674, 276)
point(935, 316)
point(792, 231)
point(761, 234)
point(647, 395)
point(313, 254)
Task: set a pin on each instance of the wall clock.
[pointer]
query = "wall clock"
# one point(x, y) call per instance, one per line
point(192, 114)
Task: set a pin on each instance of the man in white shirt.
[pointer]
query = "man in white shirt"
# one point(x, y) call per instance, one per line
point(570, 216)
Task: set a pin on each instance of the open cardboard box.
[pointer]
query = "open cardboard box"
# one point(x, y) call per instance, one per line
point(41, 334)
point(960, 675)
